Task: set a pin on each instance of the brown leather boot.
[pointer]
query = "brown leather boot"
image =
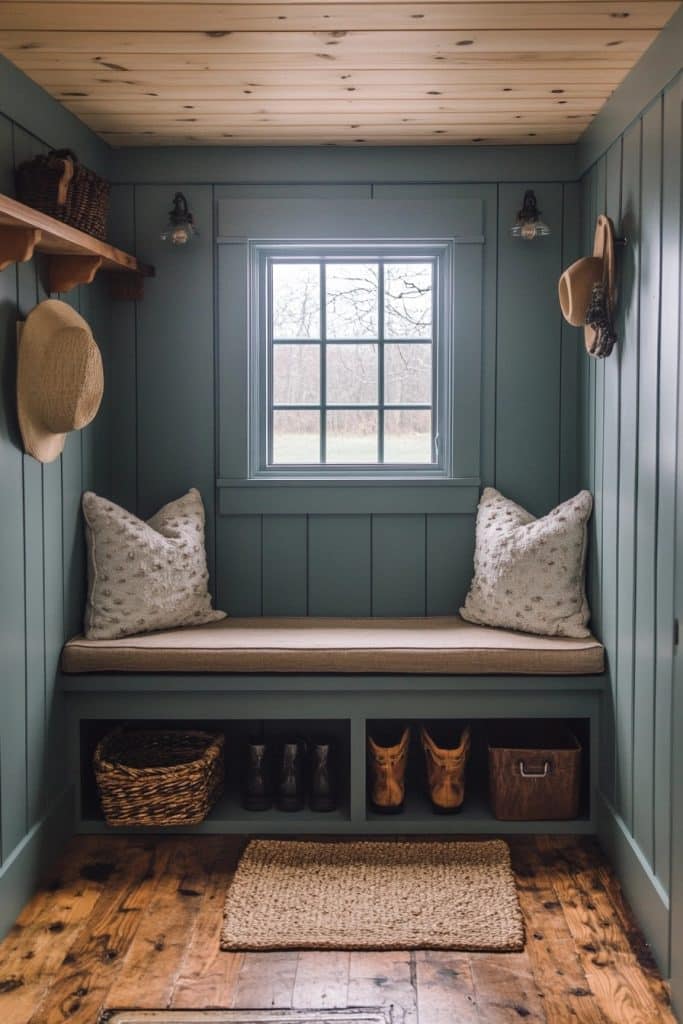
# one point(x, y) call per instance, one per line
point(446, 771)
point(387, 774)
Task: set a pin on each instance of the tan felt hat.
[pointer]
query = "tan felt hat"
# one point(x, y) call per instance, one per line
point(576, 284)
point(60, 380)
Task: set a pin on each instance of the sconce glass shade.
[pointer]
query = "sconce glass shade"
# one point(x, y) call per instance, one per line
point(529, 224)
point(180, 227)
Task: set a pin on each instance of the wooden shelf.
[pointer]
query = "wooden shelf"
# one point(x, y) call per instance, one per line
point(73, 257)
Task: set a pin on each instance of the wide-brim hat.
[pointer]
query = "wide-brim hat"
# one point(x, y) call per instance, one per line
point(60, 380)
point(577, 282)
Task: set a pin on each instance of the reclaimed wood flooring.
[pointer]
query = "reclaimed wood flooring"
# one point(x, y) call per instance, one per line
point(134, 922)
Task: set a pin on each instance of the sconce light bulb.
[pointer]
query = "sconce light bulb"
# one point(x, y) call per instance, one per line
point(180, 235)
point(528, 231)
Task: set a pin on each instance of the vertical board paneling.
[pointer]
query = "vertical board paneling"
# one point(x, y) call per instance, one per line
point(53, 571)
point(339, 565)
point(670, 317)
point(590, 211)
point(628, 448)
point(398, 565)
point(25, 146)
point(72, 536)
point(238, 565)
point(285, 576)
point(12, 607)
point(610, 487)
point(638, 562)
point(646, 517)
point(450, 555)
point(122, 383)
point(175, 358)
point(529, 343)
point(570, 341)
point(598, 453)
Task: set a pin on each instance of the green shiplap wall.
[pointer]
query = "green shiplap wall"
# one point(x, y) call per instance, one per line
point(628, 459)
point(409, 561)
point(42, 566)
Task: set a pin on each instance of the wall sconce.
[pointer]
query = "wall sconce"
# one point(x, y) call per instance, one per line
point(180, 228)
point(529, 224)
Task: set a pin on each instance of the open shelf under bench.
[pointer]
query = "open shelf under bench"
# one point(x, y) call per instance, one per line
point(350, 702)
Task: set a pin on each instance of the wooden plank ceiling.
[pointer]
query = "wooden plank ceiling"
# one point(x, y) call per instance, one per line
point(363, 73)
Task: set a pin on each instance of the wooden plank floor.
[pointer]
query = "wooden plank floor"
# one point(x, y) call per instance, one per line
point(134, 922)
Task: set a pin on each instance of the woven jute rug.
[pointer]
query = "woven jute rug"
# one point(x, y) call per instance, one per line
point(373, 895)
point(356, 1016)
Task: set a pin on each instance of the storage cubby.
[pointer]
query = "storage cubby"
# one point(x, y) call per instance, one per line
point(475, 814)
point(354, 813)
point(229, 814)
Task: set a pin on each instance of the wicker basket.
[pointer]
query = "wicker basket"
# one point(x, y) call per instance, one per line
point(159, 777)
point(57, 184)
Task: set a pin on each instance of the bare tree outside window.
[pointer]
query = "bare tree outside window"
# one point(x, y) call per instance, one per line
point(351, 362)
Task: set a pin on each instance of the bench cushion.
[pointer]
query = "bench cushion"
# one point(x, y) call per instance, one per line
point(440, 646)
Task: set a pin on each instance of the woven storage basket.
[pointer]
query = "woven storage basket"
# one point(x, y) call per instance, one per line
point(59, 185)
point(535, 775)
point(159, 777)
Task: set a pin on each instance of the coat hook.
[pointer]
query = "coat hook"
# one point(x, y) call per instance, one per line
point(621, 241)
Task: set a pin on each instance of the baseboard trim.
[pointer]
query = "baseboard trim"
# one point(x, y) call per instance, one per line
point(644, 892)
point(23, 869)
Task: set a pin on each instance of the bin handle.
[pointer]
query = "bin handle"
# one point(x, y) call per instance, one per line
point(534, 775)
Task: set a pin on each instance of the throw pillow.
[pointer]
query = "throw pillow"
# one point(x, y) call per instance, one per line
point(144, 576)
point(528, 572)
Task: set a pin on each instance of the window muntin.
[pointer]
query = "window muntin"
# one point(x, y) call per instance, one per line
point(352, 360)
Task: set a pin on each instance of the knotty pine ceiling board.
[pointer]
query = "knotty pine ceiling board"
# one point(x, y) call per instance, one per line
point(363, 73)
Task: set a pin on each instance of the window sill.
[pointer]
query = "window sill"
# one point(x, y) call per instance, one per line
point(348, 496)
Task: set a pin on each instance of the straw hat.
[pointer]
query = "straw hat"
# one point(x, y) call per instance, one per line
point(577, 282)
point(60, 380)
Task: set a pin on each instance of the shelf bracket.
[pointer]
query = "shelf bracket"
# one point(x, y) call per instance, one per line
point(17, 244)
point(130, 287)
point(65, 272)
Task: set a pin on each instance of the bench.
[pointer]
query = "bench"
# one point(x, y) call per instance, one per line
point(340, 673)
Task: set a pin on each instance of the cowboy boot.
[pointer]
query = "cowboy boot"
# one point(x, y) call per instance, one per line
point(387, 774)
point(446, 771)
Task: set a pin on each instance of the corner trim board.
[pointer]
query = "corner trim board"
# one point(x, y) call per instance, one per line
point(643, 890)
point(40, 848)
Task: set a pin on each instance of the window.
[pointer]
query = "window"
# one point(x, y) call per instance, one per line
point(352, 356)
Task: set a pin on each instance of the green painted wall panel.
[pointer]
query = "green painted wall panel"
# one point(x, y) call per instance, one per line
point(628, 470)
point(339, 565)
point(398, 565)
point(12, 618)
point(637, 561)
point(610, 484)
point(41, 555)
point(670, 316)
point(122, 366)
point(285, 561)
point(571, 348)
point(238, 589)
point(175, 359)
point(646, 519)
point(450, 555)
point(529, 346)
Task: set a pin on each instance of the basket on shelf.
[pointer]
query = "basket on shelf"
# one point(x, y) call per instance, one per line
point(57, 183)
point(159, 776)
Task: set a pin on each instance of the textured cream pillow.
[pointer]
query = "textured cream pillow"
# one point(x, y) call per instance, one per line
point(529, 573)
point(144, 576)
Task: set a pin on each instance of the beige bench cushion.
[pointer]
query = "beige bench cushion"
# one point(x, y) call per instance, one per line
point(445, 645)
